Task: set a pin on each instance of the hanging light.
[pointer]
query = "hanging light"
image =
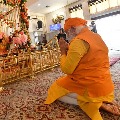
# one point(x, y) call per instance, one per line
point(70, 10)
point(79, 6)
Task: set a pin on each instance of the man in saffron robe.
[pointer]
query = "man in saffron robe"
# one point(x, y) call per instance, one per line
point(85, 62)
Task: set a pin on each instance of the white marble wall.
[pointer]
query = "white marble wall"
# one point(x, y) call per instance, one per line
point(47, 19)
point(64, 11)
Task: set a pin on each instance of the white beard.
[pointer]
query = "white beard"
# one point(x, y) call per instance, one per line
point(70, 37)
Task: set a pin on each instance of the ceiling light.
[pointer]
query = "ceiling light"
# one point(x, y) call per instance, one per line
point(39, 4)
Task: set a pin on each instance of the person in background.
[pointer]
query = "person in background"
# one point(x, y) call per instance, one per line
point(44, 41)
point(93, 27)
point(62, 34)
point(62, 31)
point(85, 62)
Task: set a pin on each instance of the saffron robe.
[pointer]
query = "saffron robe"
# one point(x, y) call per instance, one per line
point(88, 74)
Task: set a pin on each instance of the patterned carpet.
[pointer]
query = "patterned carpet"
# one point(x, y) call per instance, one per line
point(24, 100)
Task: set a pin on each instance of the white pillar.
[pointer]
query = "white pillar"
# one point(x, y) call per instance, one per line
point(85, 8)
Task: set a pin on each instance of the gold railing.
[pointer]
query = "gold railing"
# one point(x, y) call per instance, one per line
point(44, 60)
point(13, 68)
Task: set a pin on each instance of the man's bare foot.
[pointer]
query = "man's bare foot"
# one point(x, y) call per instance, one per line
point(111, 107)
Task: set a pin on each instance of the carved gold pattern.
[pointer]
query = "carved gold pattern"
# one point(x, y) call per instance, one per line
point(13, 68)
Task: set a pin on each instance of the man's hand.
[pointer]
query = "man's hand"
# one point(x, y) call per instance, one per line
point(63, 46)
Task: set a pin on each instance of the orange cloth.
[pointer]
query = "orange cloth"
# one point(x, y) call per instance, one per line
point(77, 50)
point(74, 22)
point(92, 73)
point(89, 105)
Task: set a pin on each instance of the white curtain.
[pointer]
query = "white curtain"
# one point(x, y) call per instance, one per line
point(103, 6)
point(93, 9)
point(99, 7)
point(113, 3)
point(78, 13)
point(118, 2)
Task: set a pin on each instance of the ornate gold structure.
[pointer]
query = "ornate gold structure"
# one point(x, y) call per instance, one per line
point(14, 68)
point(58, 19)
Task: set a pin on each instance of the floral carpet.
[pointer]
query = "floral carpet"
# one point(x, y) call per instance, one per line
point(24, 100)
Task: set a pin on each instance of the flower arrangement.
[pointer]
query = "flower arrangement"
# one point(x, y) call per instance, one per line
point(1, 35)
point(18, 40)
point(12, 2)
point(23, 11)
point(4, 42)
